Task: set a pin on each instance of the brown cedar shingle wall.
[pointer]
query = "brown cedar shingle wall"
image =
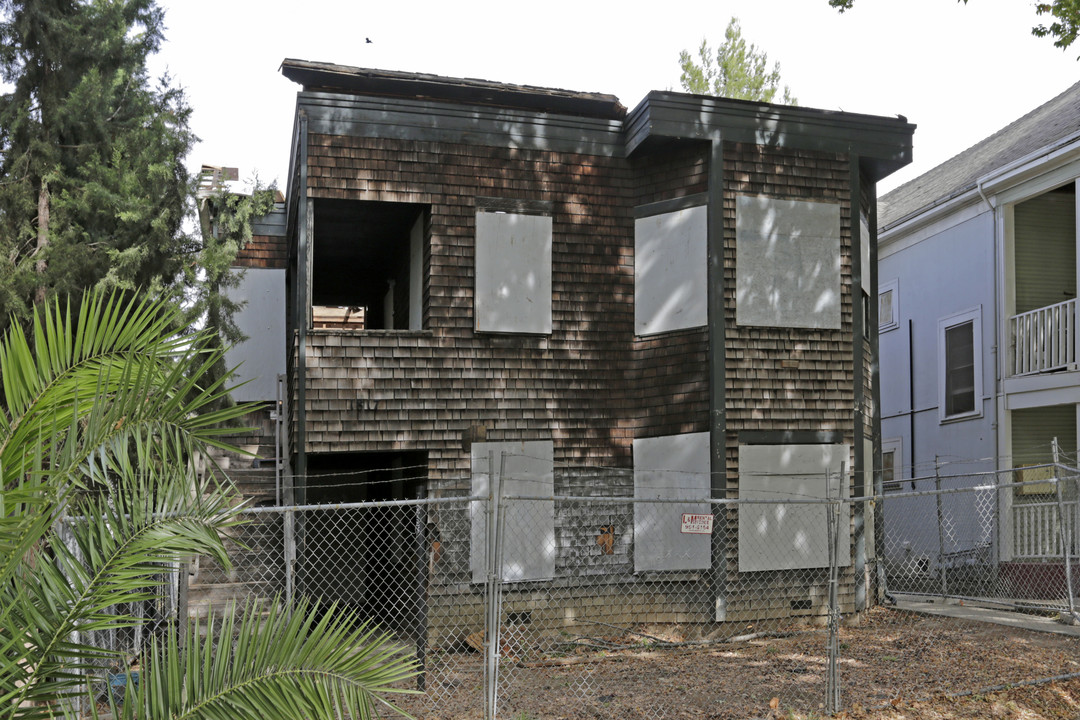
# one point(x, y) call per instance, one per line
point(671, 370)
point(429, 387)
point(591, 386)
point(263, 251)
point(763, 394)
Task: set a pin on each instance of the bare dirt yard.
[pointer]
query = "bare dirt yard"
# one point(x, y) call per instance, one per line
point(893, 665)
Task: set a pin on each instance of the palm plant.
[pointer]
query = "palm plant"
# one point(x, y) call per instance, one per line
point(99, 423)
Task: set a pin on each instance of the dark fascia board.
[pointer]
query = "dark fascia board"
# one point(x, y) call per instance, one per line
point(418, 119)
point(791, 437)
point(366, 81)
point(272, 223)
point(882, 144)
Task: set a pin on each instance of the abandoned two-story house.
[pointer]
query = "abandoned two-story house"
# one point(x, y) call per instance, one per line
point(666, 302)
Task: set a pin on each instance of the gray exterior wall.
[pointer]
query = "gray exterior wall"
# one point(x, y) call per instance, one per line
point(946, 273)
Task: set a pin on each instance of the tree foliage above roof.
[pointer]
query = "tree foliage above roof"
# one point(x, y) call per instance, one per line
point(735, 70)
point(1066, 15)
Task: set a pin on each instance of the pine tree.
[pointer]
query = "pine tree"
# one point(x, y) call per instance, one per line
point(736, 70)
point(93, 189)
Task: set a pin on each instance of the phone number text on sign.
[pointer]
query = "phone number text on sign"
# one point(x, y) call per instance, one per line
point(695, 524)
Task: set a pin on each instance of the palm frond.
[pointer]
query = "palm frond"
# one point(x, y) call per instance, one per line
point(109, 555)
point(272, 663)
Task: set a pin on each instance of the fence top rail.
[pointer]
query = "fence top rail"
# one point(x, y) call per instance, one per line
point(785, 500)
point(1066, 472)
point(361, 505)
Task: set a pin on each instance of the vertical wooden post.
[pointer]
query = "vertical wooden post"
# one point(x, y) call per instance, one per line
point(288, 537)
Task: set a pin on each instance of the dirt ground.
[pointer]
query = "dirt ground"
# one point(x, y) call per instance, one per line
point(893, 665)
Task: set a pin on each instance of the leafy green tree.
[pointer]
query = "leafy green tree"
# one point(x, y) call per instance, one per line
point(1066, 23)
point(735, 70)
point(93, 189)
point(98, 428)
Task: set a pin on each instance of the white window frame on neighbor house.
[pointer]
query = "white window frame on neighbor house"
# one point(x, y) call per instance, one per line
point(893, 321)
point(896, 447)
point(973, 316)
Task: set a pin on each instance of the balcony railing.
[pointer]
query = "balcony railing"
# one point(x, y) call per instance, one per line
point(1044, 339)
point(1037, 530)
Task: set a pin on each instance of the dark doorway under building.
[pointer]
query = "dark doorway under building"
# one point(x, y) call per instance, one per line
point(369, 558)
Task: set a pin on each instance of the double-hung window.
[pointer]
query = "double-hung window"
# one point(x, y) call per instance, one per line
point(960, 365)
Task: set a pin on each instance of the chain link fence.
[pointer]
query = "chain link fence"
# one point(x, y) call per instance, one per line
point(600, 602)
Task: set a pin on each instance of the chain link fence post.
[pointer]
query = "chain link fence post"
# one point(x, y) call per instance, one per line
point(493, 605)
point(1063, 534)
point(834, 517)
point(944, 577)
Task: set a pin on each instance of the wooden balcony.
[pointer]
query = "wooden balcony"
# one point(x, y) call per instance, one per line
point(1037, 530)
point(1043, 340)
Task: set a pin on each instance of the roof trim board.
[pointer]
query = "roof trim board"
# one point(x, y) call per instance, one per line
point(379, 103)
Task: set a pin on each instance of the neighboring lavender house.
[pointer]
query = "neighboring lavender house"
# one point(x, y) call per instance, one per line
point(611, 295)
point(977, 318)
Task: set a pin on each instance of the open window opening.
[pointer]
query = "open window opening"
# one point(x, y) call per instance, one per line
point(368, 262)
point(366, 558)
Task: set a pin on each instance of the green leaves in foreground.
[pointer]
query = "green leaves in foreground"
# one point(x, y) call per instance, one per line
point(103, 414)
point(281, 665)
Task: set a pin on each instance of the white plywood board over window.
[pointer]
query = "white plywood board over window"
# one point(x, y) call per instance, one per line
point(260, 358)
point(513, 273)
point(671, 467)
point(779, 535)
point(525, 469)
point(787, 264)
point(670, 285)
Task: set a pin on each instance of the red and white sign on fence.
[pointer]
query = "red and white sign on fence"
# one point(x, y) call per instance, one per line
point(695, 524)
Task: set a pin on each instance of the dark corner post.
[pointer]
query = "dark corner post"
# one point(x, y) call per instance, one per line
point(717, 370)
point(860, 331)
point(304, 228)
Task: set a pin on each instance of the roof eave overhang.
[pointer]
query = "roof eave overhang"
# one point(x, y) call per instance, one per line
point(328, 77)
point(987, 187)
point(883, 145)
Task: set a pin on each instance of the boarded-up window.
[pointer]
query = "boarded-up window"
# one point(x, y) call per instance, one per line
point(670, 285)
point(776, 534)
point(260, 357)
point(670, 468)
point(787, 265)
point(523, 469)
point(513, 273)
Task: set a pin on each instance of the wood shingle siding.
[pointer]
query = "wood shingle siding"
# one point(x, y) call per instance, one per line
point(591, 385)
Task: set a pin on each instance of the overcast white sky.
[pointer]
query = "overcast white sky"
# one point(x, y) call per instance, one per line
point(959, 72)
